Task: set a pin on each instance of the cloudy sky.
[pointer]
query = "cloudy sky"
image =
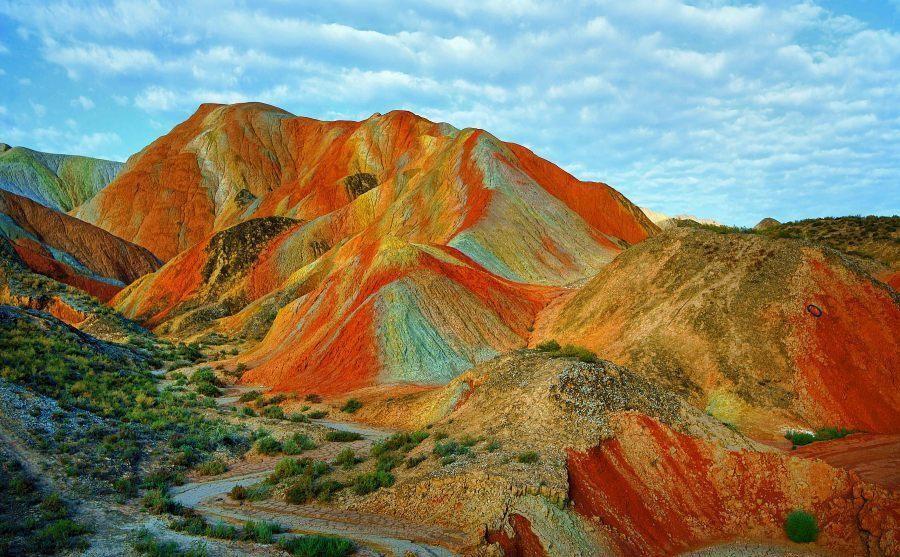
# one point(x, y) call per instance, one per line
point(727, 110)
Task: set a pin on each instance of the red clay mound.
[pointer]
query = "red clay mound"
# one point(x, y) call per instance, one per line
point(660, 492)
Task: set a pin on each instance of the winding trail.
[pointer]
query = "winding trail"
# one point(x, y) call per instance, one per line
point(378, 533)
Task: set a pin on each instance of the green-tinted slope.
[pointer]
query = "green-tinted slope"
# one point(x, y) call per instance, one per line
point(61, 182)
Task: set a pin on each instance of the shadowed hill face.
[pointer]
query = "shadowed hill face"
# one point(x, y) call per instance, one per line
point(730, 322)
point(404, 176)
point(61, 182)
point(69, 250)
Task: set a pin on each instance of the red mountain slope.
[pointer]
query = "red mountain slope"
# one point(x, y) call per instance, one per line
point(69, 250)
point(392, 249)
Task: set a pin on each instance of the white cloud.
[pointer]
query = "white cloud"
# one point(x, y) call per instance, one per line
point(717, 104)
point(156, 98)
point(104, 59)
point(39, 109)
point(82, 101)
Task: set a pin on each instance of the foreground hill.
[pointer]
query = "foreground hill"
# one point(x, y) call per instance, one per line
point(61, 182)
point(757, 331)
point(543, 455)
point(392, 249)
point(69, 250)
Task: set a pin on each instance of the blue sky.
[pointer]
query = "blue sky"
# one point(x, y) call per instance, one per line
point(733, 111)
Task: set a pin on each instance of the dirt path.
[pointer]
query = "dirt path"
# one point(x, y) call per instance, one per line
point(377, 533)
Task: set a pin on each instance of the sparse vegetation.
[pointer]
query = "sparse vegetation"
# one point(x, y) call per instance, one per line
point(372, 481)
point(32, 523)
point(800, 438)
point(403, 442)
point(800, 526)
point(317, 546)
point(347, 459)
point(249, 396)
point(554, 349)
point(351, 406)
point(342, 436)
point(548, 346)
point(297, 443)
point(146, 543)
point(268, 446)
point(528, 457)
point(212, 467)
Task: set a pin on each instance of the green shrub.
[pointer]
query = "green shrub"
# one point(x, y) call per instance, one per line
point(387, 462)
point(156, 501)
point(367, 483)
point(800, 438)
point(801, 527)
point(299, 418)
point(53, 508)
point(222, 531)
point(145, 543)
point(347, 459)
point(528, 457)
point(493, 446)
point(274, 412)
point(208, 389)
point(300, 492)
point(268, 446)
point(238, 493)
point(259, 492)
point(325, 489)
point(351, 406)
point(580, 352)
point(449, 448)
point(286, 468)
point(404, 442)
point(317, 546)
point(298, 443)
point(414, 461)
point(261, 532)
point(548, 346)
point(212, 467)
point(205, 375)
point(317, 414)
point(342, 436)
point(193, 525)
point(249, 396)
point(59, 535)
